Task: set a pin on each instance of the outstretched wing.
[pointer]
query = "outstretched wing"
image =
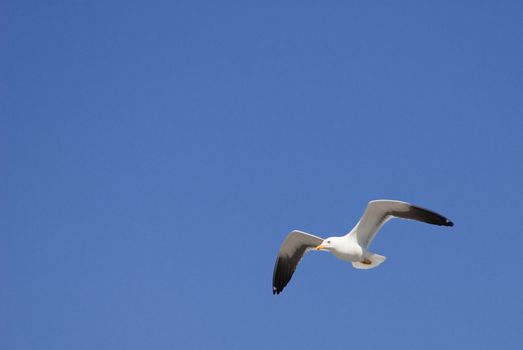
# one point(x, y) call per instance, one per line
point(380, 211)
point(291, 251)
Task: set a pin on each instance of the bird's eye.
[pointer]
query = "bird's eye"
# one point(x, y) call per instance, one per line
point(329, 242)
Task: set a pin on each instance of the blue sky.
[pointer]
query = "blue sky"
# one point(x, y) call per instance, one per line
point(154, 155)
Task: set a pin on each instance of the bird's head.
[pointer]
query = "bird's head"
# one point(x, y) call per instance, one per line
point(328, 244)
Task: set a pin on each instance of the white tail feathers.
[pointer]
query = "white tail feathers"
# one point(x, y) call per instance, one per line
point(375, 261)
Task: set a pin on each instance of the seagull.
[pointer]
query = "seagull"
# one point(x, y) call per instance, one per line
point(353, 247)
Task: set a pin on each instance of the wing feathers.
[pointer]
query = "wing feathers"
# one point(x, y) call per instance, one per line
point(379, 212)
point(291, 252)
point(422, 214)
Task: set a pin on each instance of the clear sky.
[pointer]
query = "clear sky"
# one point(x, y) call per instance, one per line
point(154, 155)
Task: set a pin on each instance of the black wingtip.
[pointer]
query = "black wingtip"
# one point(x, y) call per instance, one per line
point(275, 291)
point(449, 223)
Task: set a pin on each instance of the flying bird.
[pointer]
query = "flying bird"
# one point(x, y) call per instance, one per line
point(353, 247)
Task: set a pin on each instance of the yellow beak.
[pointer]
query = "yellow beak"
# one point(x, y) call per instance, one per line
point(320, 247)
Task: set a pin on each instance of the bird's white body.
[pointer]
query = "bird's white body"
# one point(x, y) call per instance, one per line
point(347, 249)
